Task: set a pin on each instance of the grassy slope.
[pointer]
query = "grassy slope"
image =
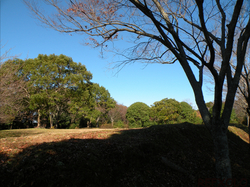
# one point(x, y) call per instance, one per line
point(41, 157)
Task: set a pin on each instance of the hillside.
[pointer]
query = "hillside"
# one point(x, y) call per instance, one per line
point(167, 155)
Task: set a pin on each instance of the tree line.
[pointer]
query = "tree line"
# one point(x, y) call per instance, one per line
point(167, 111)
point(55, 92)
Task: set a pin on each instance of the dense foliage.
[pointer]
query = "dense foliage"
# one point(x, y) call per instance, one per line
point(169, 111)
point(54, 90)
point(55, 84)
point(138, 114)
point(165, 111)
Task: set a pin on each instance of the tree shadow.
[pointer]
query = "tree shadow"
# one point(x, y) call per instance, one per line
point(128, 158)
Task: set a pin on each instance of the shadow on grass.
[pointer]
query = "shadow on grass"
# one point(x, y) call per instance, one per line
point(131, 158)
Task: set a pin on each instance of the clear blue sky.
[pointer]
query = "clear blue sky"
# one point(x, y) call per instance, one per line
point(135, 82)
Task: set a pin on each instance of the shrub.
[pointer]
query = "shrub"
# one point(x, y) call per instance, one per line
point(120, 124)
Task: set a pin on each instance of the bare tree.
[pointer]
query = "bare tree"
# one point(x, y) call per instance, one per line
point(118, 113)
point(167, 31)
point(13, 91)
point(4, 56)
point(243, 92)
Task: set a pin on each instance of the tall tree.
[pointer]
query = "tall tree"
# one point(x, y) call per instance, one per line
point(166, 31)
point(103, 103)
point(13, 91)
point(53, 84)
point(243, 92)
point(12, 88)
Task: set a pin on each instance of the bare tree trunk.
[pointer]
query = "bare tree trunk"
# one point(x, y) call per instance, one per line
point(112, 121)
point(221, 149)
point(88, 123)
point(51, 120)
point(38, 118)
point(97, 122)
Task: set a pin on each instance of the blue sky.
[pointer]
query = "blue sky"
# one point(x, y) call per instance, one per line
point(135, 82)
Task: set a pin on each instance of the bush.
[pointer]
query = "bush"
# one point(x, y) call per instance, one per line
point(150, 123)
point(134, 125)
point(120, 124)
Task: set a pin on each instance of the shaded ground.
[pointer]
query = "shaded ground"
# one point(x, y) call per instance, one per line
point(239, 132)
point(168, 155)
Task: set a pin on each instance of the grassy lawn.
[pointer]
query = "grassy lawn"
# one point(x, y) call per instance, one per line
point(167, 155)
point(21, 132)
point(36, 131)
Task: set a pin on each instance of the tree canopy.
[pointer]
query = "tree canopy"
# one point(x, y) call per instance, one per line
point(138, 114)
point(53, 82)
point(165, 111)
point(169, 111)
point(102, 104)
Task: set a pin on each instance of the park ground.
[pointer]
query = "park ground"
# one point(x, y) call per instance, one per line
point(164, 155)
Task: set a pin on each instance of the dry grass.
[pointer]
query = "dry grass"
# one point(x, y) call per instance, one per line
point(239, 132)
point(114, 157)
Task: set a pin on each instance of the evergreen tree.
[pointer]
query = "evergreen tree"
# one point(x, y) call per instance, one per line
point(138, 114)
point(55, 85)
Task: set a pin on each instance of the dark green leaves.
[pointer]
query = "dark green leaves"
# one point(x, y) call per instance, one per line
point(138, 114)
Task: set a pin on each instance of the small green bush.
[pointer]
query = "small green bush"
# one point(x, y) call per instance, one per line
point(120, 124)
point(150, 123)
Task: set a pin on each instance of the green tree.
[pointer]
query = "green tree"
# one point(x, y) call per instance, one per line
point(138, 114)
point(102, 104)
point(169, 111)
point(54, 83)
point(188, 32)
point(165, 111)
point(188, 114)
